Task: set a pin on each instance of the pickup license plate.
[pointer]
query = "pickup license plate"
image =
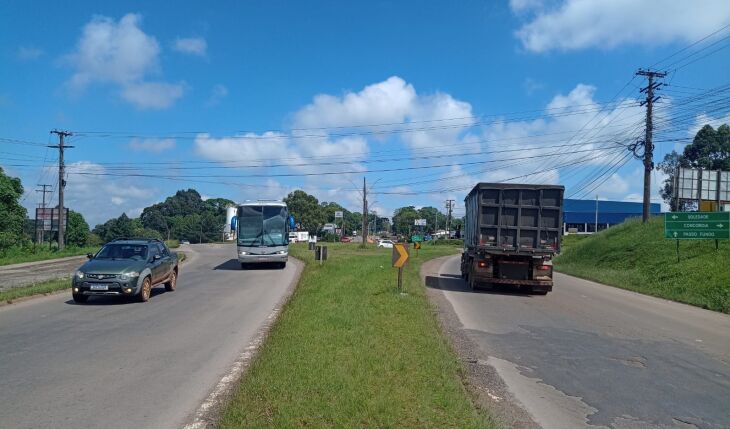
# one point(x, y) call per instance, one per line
point(99, 287)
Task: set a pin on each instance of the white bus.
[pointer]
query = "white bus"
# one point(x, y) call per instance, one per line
point(262, 233)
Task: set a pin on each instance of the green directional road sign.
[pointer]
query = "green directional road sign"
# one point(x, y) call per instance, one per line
point(697, 225)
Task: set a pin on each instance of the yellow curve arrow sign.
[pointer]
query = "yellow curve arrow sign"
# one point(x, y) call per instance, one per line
point(400, 255)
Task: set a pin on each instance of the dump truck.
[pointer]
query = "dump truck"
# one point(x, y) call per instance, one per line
point(511, 234)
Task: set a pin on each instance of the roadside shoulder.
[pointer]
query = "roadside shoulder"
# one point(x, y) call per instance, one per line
point(481, 379)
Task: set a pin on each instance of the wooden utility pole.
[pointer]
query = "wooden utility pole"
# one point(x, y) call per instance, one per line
point(61, 185)
point(364, 213)
point(648, 144)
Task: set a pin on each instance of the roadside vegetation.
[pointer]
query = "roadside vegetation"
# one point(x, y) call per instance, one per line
point(637, 257)
point(17, 255)
point(569, 241)
point(34, 289)
point(349, 351)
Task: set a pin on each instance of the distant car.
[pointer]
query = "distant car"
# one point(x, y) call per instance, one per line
point(346, 239)
point(386, 244)
point(184, 242)
point(126, 267)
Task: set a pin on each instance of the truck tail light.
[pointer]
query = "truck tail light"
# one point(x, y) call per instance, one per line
point(482, 264)
point(544, 267)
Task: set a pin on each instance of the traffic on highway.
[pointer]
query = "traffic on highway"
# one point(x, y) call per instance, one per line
point(493, 215)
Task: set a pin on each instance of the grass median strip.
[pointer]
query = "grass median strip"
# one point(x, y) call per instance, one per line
point(349, 351)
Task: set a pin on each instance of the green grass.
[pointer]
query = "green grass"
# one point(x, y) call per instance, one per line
point(571, 240)
point(35, 289)
point(637, 257)
point(41, 253)
point(349, 351)
point(172, 244)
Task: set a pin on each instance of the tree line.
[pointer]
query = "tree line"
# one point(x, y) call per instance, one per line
point(187, 216)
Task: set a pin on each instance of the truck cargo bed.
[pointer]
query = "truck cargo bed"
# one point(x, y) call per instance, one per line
point(511, 217)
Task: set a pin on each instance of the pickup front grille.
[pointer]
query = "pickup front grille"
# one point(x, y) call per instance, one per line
point(101, 276)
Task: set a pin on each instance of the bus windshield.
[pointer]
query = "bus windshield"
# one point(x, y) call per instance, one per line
point(262, 226)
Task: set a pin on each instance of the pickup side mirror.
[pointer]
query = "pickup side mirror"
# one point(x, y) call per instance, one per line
point(156, 257)
point(90, 255)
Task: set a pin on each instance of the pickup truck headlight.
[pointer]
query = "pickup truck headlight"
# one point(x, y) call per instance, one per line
point(281, 252)
point(128, 276)
point(79, 274)
point(243, 253)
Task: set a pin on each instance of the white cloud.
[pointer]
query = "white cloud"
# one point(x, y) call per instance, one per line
point(29, 53)
point(703, 119)
point(218, 93)
point(100, 198)
point(113, 52)
point(153, 145)
point(191, 45)
point(152, 95)
point(121, 54)
point(383, 102)
point(580, 24)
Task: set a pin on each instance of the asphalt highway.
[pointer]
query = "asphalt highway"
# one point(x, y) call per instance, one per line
point(589, 355)
point(120, 364)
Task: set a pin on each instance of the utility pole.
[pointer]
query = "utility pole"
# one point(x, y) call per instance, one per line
point(40, 235)
point(595, 225)
point(364, 213)
point(61, 185)
point(449, 207)
point(648, 145)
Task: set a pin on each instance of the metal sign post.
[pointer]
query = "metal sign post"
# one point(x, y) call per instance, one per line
point(399, 260)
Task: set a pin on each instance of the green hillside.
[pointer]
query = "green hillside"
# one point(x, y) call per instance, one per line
point(637, 257)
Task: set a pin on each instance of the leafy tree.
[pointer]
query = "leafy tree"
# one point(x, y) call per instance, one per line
point(77, 233)
point(403, 219)
point(12, 214)
point(432, 216)
point(306, 211)
point(122, 226)
point(710, 149)
point(187, 216)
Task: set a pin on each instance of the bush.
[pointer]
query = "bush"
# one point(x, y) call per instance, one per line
point(172, 244)
point(330, 237)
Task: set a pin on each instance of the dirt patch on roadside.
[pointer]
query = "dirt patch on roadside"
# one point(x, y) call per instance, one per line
point(481, 379)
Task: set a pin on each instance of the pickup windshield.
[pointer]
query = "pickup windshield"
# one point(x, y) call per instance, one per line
point(136, 252)
point(262, 226)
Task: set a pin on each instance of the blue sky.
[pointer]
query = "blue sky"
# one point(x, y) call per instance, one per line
point(302, 89)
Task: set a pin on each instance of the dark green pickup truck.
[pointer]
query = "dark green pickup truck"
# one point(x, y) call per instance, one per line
point(126, 267)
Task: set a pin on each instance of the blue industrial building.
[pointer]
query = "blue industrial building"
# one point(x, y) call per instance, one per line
point(579, 216)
